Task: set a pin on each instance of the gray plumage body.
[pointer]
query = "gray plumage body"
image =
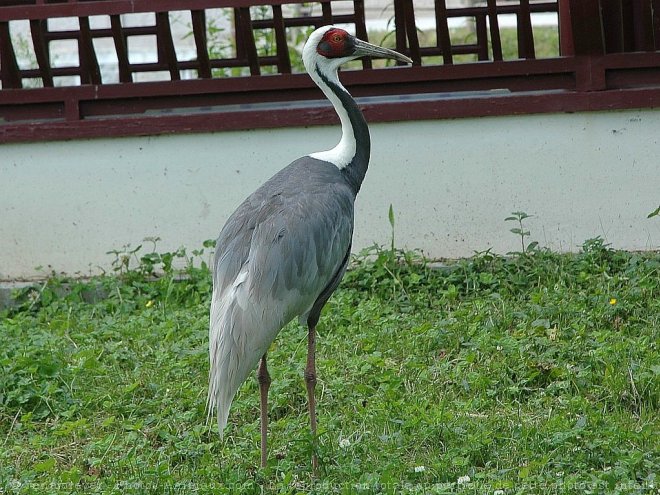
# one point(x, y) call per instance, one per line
point(280, 255)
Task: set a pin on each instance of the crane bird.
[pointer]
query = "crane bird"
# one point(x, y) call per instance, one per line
point(284, 250)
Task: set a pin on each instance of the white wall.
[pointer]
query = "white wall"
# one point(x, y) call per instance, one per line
point(63, 205)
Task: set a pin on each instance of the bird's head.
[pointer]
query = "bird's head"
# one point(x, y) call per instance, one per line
point(329, 47)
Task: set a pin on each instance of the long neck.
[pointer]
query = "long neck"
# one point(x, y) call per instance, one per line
point(352, 153)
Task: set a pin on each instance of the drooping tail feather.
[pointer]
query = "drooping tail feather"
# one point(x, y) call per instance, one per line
point(232, 352)
point(221, 387)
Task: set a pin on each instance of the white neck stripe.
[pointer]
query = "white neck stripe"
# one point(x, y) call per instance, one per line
point(344, 152)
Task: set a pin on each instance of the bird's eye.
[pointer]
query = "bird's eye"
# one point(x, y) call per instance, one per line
point(336, 38)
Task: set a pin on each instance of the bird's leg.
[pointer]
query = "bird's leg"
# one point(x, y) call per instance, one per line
point(264, 384)
point(310, 381)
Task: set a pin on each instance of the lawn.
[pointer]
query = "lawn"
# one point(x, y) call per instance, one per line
point(534, 373)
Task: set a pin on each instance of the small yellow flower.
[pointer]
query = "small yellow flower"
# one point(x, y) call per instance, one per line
point(149, 303)
point(613, 301)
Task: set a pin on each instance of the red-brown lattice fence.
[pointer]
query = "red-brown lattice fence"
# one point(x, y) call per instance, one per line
point(607, 57)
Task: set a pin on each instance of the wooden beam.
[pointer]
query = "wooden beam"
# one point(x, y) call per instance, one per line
point(10, 75)
point(587, 28)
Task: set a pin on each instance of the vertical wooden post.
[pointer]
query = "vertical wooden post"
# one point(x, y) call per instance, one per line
point(90, 73)
point(613, 25)
point(37, 28)
point(166, 51)
point(442, 31)
point(655, 5)
point(199, 31)
point(411, 31)
point(588, 45)
point(9, 73)
point(566, 45)
point(400, 26)
point(361, 28)
point(643, 25)
point(586, 27)
point(525, 33)
point(121, 49)
point(496, 41)
point(283, 60)
point(249, 47)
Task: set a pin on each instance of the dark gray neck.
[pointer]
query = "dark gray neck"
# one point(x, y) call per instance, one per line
point(356, 169)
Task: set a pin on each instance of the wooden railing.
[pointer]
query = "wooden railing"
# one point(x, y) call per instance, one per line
point(487, 45)
point(244, 27)
point(606, 57)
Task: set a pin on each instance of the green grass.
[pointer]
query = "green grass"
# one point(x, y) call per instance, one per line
point(534, 373)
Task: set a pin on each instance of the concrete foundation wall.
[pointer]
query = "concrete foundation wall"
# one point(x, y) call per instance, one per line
point(63, 205)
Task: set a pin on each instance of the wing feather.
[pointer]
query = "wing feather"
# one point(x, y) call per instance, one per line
point(276, 255)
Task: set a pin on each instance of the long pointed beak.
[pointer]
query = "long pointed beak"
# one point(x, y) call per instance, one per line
point(364, 49)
